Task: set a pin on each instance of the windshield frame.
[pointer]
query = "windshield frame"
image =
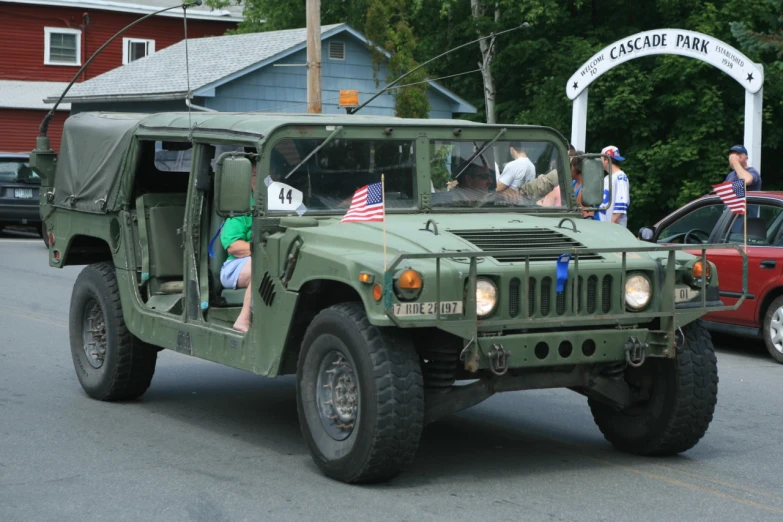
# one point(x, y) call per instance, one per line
point(422, 135)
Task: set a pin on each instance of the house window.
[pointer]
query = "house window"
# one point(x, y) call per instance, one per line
point(135, 48)
point(336, 51)
point(62, 46)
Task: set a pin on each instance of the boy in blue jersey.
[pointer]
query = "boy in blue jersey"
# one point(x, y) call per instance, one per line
point(615, 210)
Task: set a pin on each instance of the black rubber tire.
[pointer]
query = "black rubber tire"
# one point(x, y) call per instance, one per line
point(681, 406)
point(390, 416)
point(129, 364)
point(771, 309)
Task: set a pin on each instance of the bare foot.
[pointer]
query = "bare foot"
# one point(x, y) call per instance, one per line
point(242, 324)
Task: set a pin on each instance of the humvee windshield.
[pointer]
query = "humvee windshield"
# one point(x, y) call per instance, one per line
point(329, 178)
point(464, 173)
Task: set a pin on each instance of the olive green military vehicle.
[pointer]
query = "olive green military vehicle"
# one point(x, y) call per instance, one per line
point(459, 293)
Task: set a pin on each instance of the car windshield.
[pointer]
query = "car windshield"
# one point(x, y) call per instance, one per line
point(475, 173)
point(16, 170)
point(328, 179)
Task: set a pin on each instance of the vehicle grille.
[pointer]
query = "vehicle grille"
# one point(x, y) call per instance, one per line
point(528, 238)
point(543, 300)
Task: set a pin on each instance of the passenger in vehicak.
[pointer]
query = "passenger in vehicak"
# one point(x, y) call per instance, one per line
point(236, 238)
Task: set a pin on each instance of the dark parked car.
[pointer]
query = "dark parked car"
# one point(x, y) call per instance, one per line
point(707, 220)
point(19, 192)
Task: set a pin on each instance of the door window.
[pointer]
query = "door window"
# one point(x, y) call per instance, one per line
point(763, 227)
point(694, 227)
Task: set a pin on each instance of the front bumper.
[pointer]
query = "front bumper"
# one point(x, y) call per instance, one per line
point(530, 339)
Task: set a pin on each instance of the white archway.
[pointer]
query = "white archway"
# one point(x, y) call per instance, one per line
point(684, 43)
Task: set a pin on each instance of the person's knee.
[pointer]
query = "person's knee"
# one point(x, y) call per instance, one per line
point(244, 276)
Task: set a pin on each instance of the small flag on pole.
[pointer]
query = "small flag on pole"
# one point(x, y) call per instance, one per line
point(367, 205)
point(733, 195)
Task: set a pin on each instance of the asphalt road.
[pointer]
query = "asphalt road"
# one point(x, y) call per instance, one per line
point(209, 443)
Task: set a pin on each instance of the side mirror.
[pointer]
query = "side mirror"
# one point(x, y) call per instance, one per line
point(232, 185)
point(646, 234)
point(592, 182)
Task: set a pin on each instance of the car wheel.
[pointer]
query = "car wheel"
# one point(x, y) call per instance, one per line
point(44, 234)
point(681, 394)
point(110, 362)
point(773, 329)
point(360, 396)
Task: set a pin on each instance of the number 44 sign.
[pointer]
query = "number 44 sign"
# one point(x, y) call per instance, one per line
point(284, 197)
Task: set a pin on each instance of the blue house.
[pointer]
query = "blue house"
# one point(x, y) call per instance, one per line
point(249, 73)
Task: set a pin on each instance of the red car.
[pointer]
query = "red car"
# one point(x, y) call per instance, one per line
point(707, 220)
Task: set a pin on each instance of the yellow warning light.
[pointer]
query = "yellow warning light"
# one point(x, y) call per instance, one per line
point(349, 98)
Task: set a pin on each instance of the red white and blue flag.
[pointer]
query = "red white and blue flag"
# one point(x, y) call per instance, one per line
point(367, 205)
point(733, 195)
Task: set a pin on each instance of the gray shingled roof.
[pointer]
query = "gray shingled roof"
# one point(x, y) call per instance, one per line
point(21, 94)
point(161, 75)
point(202, 12)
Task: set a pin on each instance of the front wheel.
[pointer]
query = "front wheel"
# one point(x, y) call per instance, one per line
point(110, 362)
point(773, 329)
point(360, 396)
point(681, 394)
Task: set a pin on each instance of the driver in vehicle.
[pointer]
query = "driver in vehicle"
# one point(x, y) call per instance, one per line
point(473, 183)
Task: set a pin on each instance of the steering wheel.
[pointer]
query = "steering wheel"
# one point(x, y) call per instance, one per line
point(705, 236)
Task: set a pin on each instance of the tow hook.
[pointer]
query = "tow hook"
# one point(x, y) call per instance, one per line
point(635, 352)
point(498, 359)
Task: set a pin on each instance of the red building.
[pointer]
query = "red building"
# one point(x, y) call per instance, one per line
point(45, 42)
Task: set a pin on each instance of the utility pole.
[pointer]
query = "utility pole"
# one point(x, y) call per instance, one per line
point(314, 56)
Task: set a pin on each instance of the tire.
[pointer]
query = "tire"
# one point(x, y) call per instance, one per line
point(773, 339)
point(125, 368)
point(680, 405)
point(377, 437)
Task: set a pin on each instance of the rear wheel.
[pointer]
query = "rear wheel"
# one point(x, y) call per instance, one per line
point(681, 394)
point(110, 362)
point(44, 233)
point(773, 329)
point(360, 396)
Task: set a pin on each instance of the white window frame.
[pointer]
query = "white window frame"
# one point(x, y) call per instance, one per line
point(126, 41)
point(48, 31)
point(345, 51)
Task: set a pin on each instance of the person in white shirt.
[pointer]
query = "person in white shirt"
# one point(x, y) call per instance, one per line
point(615, 209)
point(517, 172)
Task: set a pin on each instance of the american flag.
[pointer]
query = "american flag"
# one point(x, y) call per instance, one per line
point(367, 205)
point(733, 195)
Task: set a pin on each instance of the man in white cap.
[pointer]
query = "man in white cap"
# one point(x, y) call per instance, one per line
point(615, 209)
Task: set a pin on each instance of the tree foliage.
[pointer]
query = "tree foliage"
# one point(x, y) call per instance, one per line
point(674, 118)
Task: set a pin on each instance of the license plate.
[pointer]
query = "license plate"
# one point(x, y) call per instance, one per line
point(683, 294)
point(23, 193)
point(446, 308)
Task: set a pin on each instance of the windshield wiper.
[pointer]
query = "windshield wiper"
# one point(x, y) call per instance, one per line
point(319, 147)
point(481, 151)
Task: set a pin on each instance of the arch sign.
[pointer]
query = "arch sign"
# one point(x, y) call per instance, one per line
point(672, 41)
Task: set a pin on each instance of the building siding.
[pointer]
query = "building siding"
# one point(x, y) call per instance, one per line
point(283, 88)
point(18, 129)
point(22, 38)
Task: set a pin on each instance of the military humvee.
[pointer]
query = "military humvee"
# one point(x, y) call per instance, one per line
point(459, 293)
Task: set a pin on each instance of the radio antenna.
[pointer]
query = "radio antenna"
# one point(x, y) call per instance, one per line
point(45, 123)
point(493, 35)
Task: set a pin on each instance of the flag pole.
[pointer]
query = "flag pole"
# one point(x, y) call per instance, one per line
point(383, 202)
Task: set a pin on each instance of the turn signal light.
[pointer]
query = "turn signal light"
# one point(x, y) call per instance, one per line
point(409, 280)
point(366, 278)
point(698, 270)
point(51, 239)
point(377, 292)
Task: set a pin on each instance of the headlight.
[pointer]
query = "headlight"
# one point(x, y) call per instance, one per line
point(638, 291)
point(486, 297)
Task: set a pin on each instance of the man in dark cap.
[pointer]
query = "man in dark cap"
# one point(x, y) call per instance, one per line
point(738, 160)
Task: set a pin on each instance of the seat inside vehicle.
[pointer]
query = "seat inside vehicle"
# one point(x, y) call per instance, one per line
point(222, 296)
point(756, 230)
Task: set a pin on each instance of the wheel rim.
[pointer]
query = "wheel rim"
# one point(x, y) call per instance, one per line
point(337, 395)
point(776, 330)
point(94, 333)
